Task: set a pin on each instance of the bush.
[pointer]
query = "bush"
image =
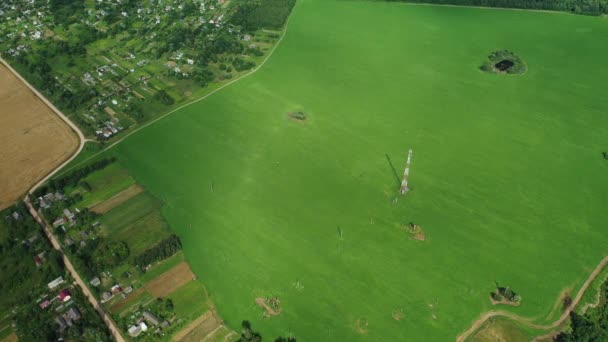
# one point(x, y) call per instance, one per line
point(164, 98)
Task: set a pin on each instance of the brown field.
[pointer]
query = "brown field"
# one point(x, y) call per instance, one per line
point(10, 338)
point(117, 199)
point(169, 281)
point(33, 142)
point(199, 328)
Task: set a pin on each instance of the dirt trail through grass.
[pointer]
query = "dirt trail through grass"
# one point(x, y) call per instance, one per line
point(528, 321)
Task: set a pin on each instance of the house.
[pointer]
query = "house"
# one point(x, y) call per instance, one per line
point(58, 222)
point(52, 285)
point(128, 289)
point(16, 215)
point(44, 304)
point(64, 295)
point(39, 259)
point(106, 296)
point(61, 322)
point(84, 235)
point(69, 241)
point(116, 289)
point(164, 324)
point(151, 318)
point(68, 214)
point(143, 326)
point(134, 330)
point(73, 314)
point(95, 281)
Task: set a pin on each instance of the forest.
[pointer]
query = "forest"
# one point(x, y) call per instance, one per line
point(588, 7)
point(591, 326)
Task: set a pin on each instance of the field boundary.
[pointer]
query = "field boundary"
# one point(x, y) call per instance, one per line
point(253, 71)
point(528, 321)
point(489, 8)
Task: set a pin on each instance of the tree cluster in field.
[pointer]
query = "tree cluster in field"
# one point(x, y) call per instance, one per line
point(248, 335)
point(505, 293)
point(496, 57)
point(605, 155)
point(588, 7)
point(591, 326)
point(161, 251)
point(252, 15)
point(73, 177)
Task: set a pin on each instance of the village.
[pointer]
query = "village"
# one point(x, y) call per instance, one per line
point(119, 64)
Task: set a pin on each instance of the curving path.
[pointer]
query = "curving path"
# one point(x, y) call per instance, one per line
point(527, 321)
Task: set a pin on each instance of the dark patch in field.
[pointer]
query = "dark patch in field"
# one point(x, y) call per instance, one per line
point(504, 65)
point(297, 116)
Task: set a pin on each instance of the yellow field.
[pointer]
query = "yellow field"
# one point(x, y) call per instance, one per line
point(33, 142)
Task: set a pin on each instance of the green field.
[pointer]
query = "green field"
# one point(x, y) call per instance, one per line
point(508, 178)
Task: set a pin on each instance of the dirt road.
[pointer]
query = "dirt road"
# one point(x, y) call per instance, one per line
point(527, 321)
point(107, 320)
point(87, 293)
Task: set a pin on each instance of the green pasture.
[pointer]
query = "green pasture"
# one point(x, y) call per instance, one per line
point(105, 183)
point(189, 301)
point(508, 181)
point(138, 222)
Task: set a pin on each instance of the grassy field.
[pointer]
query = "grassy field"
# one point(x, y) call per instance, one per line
point(507, 176)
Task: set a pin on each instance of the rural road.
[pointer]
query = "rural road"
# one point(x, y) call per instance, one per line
point(87, 293)
point(107, 320)
point(527, 321)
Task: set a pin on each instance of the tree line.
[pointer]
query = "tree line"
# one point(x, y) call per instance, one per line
point(252, 15)
point(161, 251)
point(73, 177)
point(588, 7)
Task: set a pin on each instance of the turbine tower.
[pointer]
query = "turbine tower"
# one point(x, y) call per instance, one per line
point(406, 173)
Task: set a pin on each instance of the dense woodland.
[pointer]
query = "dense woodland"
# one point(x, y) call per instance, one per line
point(255, 14)
point(589, 7)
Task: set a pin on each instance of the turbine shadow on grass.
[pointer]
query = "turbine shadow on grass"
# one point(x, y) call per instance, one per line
point(390, 163)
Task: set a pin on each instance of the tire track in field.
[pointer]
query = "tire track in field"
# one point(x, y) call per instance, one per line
point(528, 321)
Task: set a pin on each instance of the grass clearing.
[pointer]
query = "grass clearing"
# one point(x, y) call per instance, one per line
point(256, 197)
point(117, 199)
point(190, 300)
point(105, 183)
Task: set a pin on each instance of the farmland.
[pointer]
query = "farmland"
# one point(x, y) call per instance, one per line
point(507, 173)
point(35, 140)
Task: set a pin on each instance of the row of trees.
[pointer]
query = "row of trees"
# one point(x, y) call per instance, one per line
point(73, 177)
point(161, 251)
point(248, 335)
point(589, 7)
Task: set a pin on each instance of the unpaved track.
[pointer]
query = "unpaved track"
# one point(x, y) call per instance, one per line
point(527, 321)
point(87, 293)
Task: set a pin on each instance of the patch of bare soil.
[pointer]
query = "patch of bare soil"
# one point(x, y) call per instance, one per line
point(33, 142)
point(199, 329)
point(415, 231)
point(398, 314)
point(361, 326)
point(170, 281)
point(271, 305)
point(504, 302)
